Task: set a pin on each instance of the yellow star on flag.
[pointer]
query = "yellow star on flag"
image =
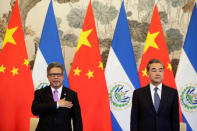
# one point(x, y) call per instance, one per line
point(9, 36)
point(2, 68)
point(90, 74)
point(83, 40)
point(144, 72)
point(169, 67)
point(26, 62)
point(100, 65)
point(150, 41)
point(77, 71)
point(14, 71)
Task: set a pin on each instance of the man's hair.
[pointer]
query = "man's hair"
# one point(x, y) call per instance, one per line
point(55, 64)
point(153, 61)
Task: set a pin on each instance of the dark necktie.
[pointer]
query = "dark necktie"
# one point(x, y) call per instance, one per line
point(156, 99)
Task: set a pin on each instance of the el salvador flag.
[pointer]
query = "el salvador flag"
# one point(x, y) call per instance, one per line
point(49, 51)
point(186, 76)
point(121, 74)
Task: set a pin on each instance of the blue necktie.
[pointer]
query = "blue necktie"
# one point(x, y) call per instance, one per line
point(156, 99)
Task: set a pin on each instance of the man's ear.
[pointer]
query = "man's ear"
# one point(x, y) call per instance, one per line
point(147, 73)
point(48, 76)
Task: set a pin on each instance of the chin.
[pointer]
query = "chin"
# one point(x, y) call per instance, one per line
point(158, 82)
point(56, 86)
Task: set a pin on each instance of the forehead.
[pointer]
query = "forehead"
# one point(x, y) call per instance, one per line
point(156, 65)
point(55, 70)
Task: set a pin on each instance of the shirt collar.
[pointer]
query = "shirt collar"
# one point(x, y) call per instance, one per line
point(59, 89)
point(159, 86)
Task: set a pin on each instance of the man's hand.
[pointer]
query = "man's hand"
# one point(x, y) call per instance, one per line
point(64, 103)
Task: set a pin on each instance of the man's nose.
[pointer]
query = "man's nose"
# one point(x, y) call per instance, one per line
point(158, 73)
point(56, 76)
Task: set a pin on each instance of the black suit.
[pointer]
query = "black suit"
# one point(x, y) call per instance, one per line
point(143, 114)
point(53, 119)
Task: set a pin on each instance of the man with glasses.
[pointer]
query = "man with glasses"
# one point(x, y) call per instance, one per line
point(155, 107)
point(55, 104)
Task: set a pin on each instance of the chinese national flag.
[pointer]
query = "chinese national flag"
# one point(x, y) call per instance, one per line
point(156, 48)
point(87, 79)
point(16, 86)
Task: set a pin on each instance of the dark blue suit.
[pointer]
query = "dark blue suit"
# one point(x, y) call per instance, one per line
point(143, 114)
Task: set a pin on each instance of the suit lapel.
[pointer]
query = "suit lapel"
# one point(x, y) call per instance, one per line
point(64, 93)
point(49, 93)
point(149, 98)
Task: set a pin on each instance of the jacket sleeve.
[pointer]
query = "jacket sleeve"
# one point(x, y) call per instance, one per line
point(175, 112)
point(134, 113)
point(77, 120)
point(40, 107)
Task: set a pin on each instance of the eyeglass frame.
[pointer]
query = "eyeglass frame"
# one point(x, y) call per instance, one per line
point(55, 74)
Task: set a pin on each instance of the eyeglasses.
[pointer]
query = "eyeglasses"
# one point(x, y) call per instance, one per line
point(155, 70)
point(55, 74)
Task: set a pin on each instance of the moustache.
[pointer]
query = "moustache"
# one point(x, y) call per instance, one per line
point(56, 81)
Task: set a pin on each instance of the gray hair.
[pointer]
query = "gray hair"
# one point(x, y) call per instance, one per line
point(153, 61)
point(55, 64)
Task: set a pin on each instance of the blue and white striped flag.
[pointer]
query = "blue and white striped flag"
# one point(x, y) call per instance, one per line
point(186, 76)
point(49, 51)
point(121, 74)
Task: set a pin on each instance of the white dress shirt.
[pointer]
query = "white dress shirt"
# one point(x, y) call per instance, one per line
point(152, 91)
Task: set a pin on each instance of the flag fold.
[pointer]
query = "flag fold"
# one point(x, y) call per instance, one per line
point(16, 81)
point(121, 74)
point(87, 78)
point(186, 76)
point(49, 51)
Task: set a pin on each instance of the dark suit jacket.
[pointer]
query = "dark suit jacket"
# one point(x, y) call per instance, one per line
point(53, 119)
point(143, 114)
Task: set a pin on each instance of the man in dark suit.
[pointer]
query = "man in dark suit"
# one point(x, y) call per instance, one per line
point(155, 107)
point(56, 105)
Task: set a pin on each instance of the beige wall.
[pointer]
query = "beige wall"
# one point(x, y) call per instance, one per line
point(175, 16)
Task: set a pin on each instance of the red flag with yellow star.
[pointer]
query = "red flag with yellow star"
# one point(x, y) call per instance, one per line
point(87, 79)
point(16, 86)
point(156, 48)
